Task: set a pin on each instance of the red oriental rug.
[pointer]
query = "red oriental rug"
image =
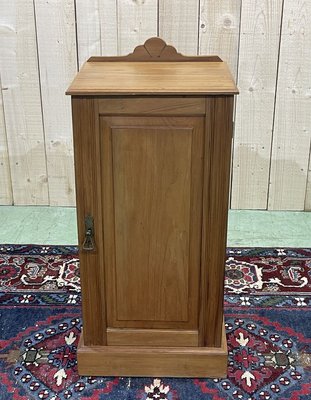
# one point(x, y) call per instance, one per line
point(267, 315)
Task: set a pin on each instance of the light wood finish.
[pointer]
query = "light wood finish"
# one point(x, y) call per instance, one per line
point(155, 49)
point(153, 361)
point(137, 21)
point(88, 191)
point(151, 337)
point(255, 109)
point(152, 237)
point(174, 14)
point(219, 33)
point(22, 103)
point(308, 191)
point(166, 75)
point(212, 27)
point(56, 40)
point(97, 28)
point(215, 213)
point(152, 225)
point(153, 172)
point(153, 78)
point(6, 196)
point(291, 136)
point(219, 30)
point(152, 106)
point(89, 26)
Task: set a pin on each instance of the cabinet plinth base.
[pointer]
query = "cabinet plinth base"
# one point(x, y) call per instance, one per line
point(189, 362)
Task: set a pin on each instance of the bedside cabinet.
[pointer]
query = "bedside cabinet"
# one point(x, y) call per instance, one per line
point(152, 142)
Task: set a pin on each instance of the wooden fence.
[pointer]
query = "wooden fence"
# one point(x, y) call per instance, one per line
point(267, 44)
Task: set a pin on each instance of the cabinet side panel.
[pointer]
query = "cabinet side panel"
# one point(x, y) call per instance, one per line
point(88, 191)
point(218, 142)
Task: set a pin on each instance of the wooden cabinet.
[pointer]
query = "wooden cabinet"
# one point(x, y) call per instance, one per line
point(152, 139)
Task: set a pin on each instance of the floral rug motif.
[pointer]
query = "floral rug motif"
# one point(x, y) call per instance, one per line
point(268, 271)
point(267, 318)
point(45, 268)
point(56, 268)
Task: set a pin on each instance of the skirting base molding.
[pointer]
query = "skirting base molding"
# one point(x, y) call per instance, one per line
point(196, 362)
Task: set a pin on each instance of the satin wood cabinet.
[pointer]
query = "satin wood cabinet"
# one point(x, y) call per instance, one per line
point(152, 141)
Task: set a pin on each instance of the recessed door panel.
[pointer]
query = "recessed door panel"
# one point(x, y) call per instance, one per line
point(151, 176)
point(152, 208)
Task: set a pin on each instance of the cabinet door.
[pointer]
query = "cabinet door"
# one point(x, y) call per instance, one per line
point(152, 209)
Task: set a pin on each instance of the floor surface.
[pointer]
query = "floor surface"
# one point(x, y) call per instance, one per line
point(57, 225)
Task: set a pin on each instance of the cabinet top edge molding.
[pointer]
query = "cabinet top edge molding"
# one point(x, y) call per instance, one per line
point(154, 69)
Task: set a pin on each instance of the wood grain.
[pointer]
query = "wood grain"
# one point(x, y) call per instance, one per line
point(155, 49)
point(308, 190)
point(151, 337)
point(152, 106)
point(291, 136)
point(152, 225)
point(107, 28)
point(219, 30)
point(153, 361)
point(258, 61)
point(156, 181)
point(89, 28)
point(215, 214)
point(151, 78)
point(97, 28)
point(137, 21)
point(55, 22)
point(155, 178)
point(89, 202)
point(156, 242)
point(174, 14)
point(22, 103)
point(6, 196)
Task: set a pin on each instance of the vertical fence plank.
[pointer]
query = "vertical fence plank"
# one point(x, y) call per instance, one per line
point(137, 22)
point(257, 74)
point(105, 27)
point(58, 65)
point(178, 24)
point(88, 29)
point(108, 17)
point(6, 197)
point(291, 137)
point(308, 189)
point(219, 30)
point(22, 105)
point(96, 28)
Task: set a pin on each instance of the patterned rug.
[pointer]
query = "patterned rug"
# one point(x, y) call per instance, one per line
point(267, 315)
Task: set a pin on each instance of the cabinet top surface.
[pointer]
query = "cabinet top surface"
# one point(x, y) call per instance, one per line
point(154, 68)
point(152, 78)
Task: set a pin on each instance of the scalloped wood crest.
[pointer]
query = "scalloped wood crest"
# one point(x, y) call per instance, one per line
point(155, 49)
